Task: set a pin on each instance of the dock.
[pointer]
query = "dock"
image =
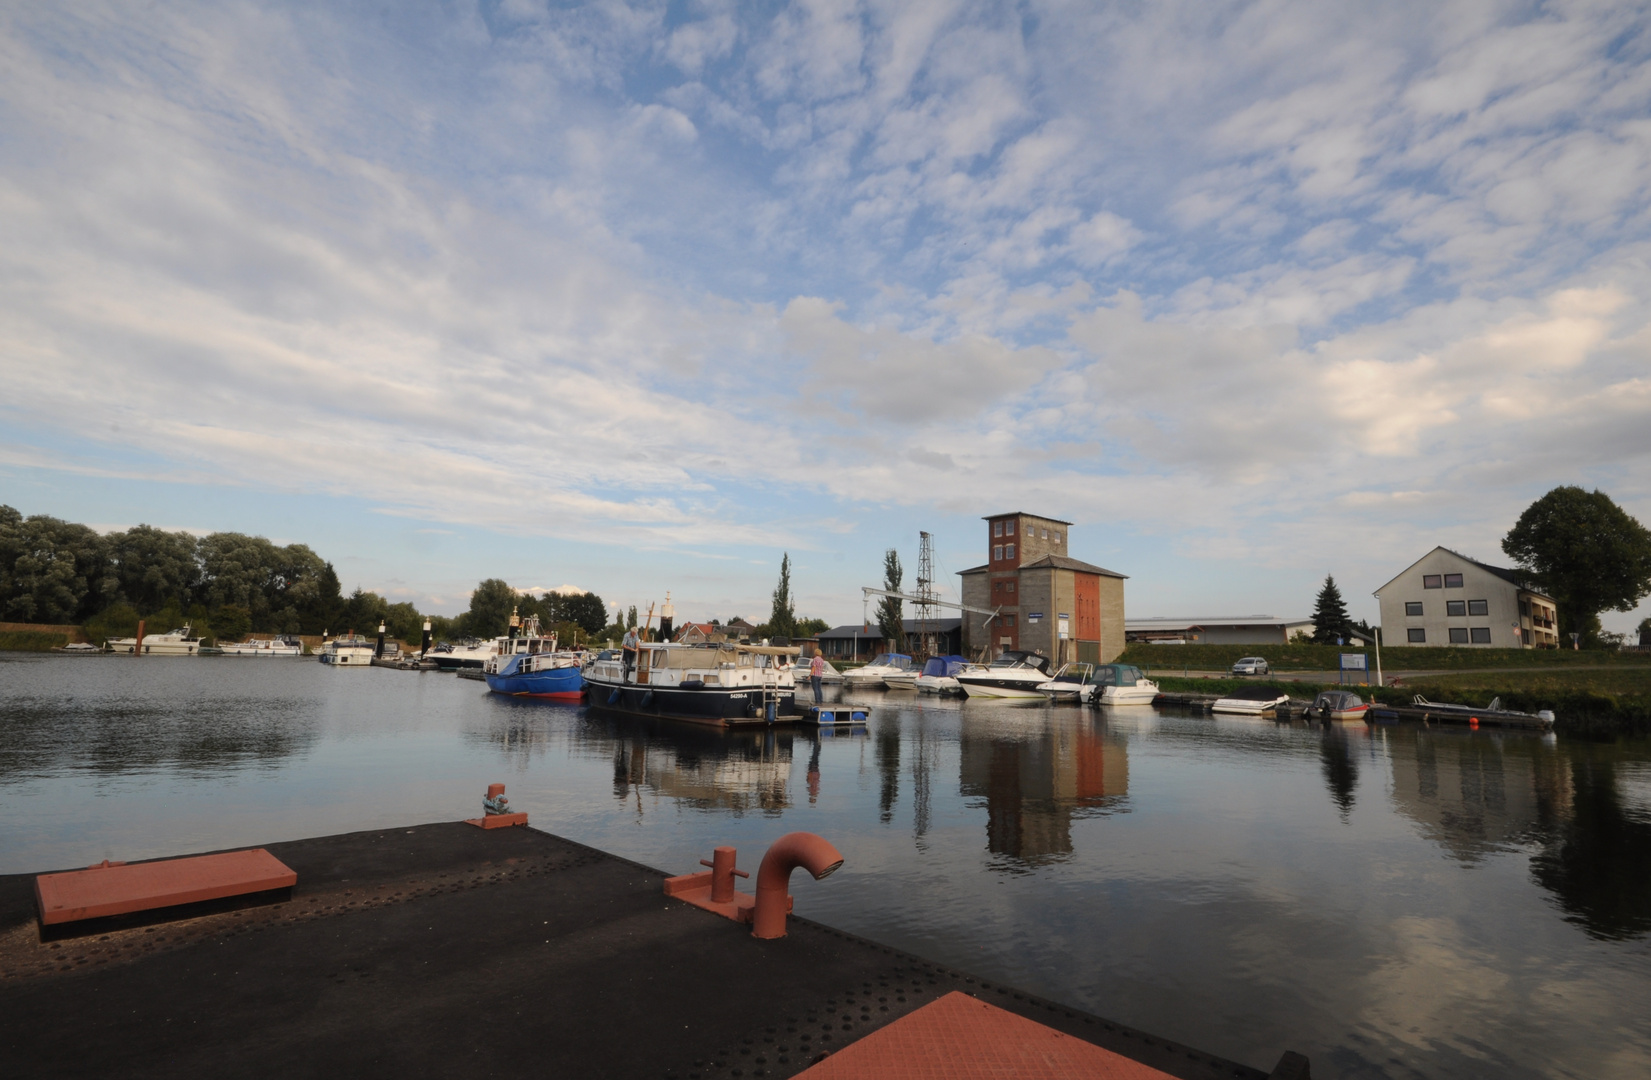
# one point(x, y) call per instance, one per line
point(443, 950)
point(1297, 708)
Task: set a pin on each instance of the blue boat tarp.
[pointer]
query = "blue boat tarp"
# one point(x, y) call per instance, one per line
point(944, 666)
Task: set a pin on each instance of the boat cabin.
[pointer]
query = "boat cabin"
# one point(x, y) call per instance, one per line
point(1117, 675)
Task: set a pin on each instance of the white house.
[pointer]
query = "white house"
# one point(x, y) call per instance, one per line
point(1446, 598)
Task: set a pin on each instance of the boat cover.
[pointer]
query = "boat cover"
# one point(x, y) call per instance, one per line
point(1337, 700)
point(945, 666)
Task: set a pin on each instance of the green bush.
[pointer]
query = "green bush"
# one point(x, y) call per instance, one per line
point(116, 621)
point(31, 640)
point(1394, 657)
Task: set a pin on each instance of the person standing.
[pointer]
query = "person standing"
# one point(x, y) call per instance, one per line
point(629, 647)
point(816, 674)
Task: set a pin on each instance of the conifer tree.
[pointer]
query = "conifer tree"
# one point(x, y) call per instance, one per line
point(890, 610)
point(1330, 619)
point(782, 617)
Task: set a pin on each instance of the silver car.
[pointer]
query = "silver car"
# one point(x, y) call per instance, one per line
point(1251, 665)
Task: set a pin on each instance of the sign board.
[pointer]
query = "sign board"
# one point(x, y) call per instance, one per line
point(1355, 661)
point(1034, 616)
point(1065, 626)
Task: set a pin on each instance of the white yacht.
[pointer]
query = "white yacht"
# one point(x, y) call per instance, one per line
point(1015, 675)
point(1123, 684)
point(1073, 682)
point(277, 646)
point(941, 672)
point(877, 672)
point(348, 651)
point(468, 653)
point(176, 643)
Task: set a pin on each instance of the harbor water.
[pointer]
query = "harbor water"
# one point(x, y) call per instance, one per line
point(1391, 900)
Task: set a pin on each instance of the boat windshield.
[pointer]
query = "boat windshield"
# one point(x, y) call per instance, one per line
point(896, 660)
point(1075, 673)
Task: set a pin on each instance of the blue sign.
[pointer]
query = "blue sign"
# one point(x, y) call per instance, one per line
point(1034, 616)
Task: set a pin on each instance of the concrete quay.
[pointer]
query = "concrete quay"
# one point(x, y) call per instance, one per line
point(447, 950)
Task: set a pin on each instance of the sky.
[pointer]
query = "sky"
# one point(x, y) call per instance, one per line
point(637, 297)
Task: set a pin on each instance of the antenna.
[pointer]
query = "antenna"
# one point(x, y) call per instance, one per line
point(925, 593)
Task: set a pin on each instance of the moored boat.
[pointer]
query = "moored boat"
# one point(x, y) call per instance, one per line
point(284, 645)
point(712, 683)
point(1251, 701)
point(530, 665)
point(876, 673)
point(351, 650)
point(467, 653)
point(940, 674)
point(1339, 705)
point(1016, 675)
point(1073, 682)
point(176, 643)
point(1123, 684)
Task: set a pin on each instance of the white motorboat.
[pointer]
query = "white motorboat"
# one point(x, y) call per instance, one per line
point(831, 675)
point(80, 648)
point(1073, 682)
point(1339, 705)
point(278, 646)
point(348, 651)
point(901, 680)
point(873, 674)
point(1123, 684)
point(1251, 701)
point(176, 643)
point(469, 653)
point(1016, 674)
point(941, 672)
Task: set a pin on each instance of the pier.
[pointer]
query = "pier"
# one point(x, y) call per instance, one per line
point(448, 950)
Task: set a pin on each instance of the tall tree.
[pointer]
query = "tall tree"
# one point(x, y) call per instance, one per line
point(782, 617)
point(153, 568)
point(490, 608)
point(1330, 619)
point(891, 621)
point(1586, 552)
point(51, 571)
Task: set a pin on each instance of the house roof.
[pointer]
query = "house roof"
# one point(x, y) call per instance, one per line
point(1058, 562)
point(854, 630)
point(1022, 513)
point(1516, 578)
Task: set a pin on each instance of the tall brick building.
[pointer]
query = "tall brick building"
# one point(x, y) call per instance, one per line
point(1052, 604)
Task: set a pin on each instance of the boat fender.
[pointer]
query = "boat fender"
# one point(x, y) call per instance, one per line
point(647, 699)
point(613, 697)
point(693, 684)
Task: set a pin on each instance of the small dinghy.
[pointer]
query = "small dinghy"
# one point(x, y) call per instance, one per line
point(1251, 701)
point(1339, 705)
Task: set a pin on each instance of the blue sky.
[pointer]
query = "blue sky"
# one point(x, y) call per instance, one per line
point(635, 297)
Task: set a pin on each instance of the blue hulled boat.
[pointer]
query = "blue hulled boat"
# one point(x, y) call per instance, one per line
point(531, 666)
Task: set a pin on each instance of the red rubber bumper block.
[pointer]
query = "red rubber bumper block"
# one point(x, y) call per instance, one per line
point(497, 821)
point(121, 889)
point(961, 1038)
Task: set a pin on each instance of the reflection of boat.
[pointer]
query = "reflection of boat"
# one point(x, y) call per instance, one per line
point(1015, 674)
point(176, 643)
point(1339, 705)
point(531, 666)
point(1251, 701)
point(468, 653)
point(875, 673)
point(720, 683)
point(1123, 684)
point(941, 672)
point(279, 646)
point(348, 651)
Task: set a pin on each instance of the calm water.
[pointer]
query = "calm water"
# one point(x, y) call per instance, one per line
point(1391, 901)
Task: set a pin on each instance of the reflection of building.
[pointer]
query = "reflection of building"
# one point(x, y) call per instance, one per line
point(744, 772)
point(1035, 785)
point(1473, 794)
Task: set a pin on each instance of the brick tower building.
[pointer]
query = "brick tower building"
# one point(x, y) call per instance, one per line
point(1051, 604)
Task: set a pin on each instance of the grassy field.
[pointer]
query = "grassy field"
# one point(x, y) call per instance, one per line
point(31, 640)
point(1394, 658)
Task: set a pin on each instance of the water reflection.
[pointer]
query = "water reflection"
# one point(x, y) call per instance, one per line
point(1598, 865)
point(1036, 782)
point(1477, 794)
point(1341, 767)
point(737, 771)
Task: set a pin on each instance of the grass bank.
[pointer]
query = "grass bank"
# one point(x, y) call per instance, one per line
point(1394, 657)
point(32, 640)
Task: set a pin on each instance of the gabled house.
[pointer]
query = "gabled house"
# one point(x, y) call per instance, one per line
point(1446, 598)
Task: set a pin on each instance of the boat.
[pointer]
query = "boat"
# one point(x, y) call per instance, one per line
point(1073, 682)
point(1016, 674)
point(902, 680)
point(720, 683)
point(284, 645)
point(940, 674)
point(176, 643)
point(831, 675)
point(351, 650)
point(1251, 701)
point(1495, 708)
point(1339, 705)
point(79, 648)
point(875, 673)
point(1123, 684)
point(467, 653)
point(531, 666)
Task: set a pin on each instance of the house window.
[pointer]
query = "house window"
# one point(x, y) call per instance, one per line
point(1456, 607)
point(997, 552)
point(1045, 534)
point(1008, 622)
point(1478, 607)
point(1481, 635)
point(1453, 581)
point(1458, 635)
point(1008, 551)
point(1525, 608)
point(1413, 607)
point(1057, 536)
point(1432, 581)
point(997, 529)
point(1031, 531)
point(1010, 586)
point(1416, 635)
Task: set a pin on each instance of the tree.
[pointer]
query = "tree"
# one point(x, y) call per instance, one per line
point(630, 618)
point(152, 568)
point(890, 610)
point(782, 616)
point(585, 610)
point(490, 608)
point(51, 571)
point(1644, 630)
point(1586, 552)
point(1330, 620)
point(811, 627)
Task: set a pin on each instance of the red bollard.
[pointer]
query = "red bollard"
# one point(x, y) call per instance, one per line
point(790, 851)
point(723, 874)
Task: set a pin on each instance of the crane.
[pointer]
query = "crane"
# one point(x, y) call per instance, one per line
point(867, 592)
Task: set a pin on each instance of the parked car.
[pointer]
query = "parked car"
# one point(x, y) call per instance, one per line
point(1251, 665)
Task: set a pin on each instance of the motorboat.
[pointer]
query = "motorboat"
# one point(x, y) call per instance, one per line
point(80, 648)
point(1495, 708)
point(466, 653)
point(1251, 701)
point(176, 643)
point(351, 650)
point(284, 645)
point(877, 672)
point(940, 674)
point(1339, 705)
point(902, 680)
point(830, 676)
point(530, 665)
point(719, 683)
point(1073, 682)
point(1016, 674)
point(1123, 684)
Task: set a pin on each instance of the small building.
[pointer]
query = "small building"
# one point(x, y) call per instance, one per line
point(1446, 598)
point(1046, 601)
point(698, 633)
point(738, 629)
point(862, 641)
point(1217, 630)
